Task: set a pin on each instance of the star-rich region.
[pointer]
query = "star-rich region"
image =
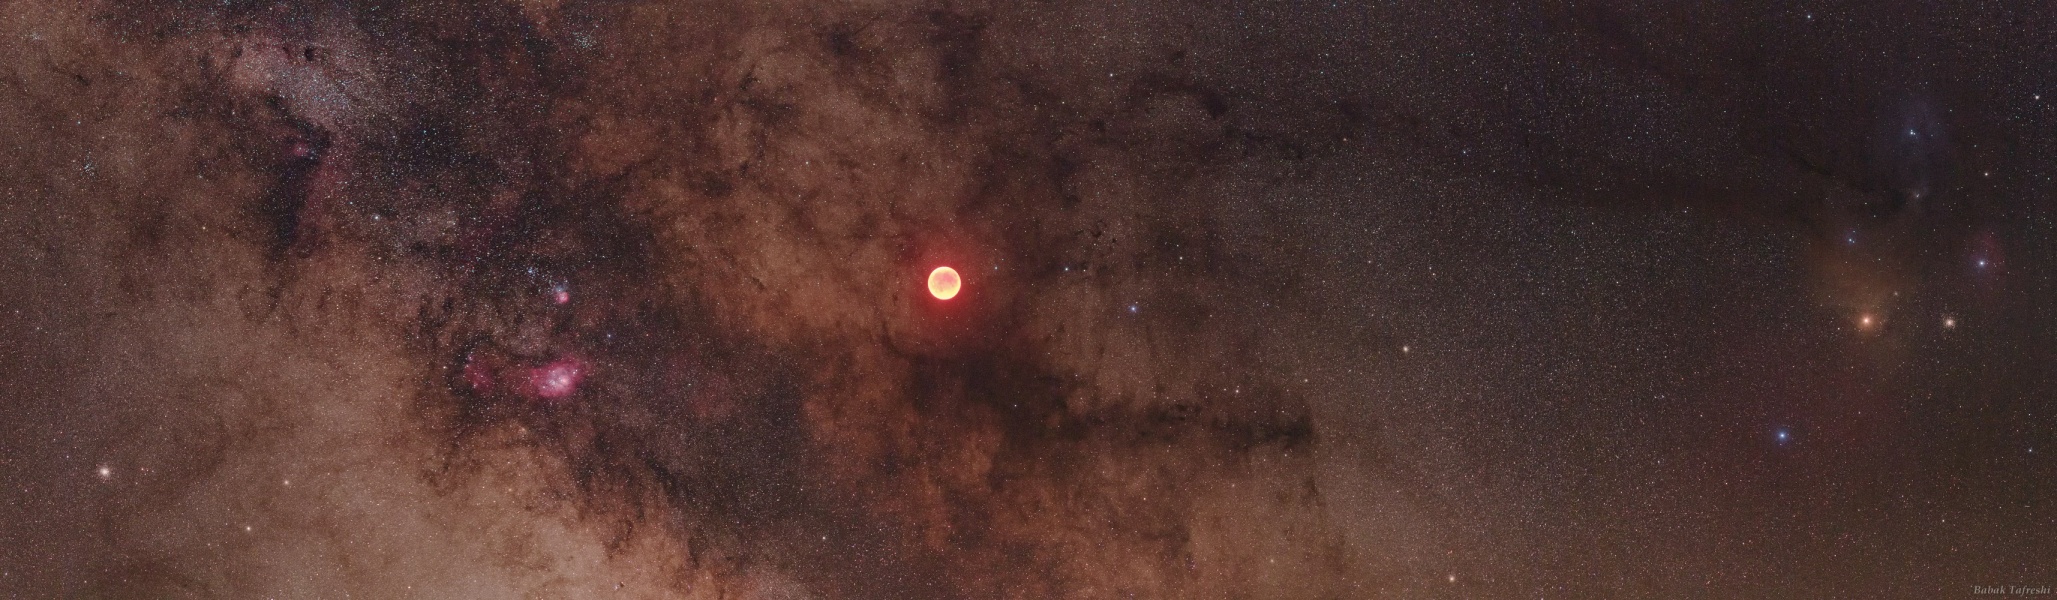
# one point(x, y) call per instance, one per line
point(933, 299)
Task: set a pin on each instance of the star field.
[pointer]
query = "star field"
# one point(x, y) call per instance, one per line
point(1309, 299)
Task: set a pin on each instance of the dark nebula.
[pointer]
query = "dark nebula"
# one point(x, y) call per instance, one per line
point(570, 299)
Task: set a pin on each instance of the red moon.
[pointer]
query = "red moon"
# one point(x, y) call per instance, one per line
point(944, 283)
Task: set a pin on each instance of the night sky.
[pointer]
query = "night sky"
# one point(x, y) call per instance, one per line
point(620, 298)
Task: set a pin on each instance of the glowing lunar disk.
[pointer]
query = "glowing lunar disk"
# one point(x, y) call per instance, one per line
point(944, 283)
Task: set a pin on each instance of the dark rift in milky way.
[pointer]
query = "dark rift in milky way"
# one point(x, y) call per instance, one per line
point(626, 298)
point(567, 199)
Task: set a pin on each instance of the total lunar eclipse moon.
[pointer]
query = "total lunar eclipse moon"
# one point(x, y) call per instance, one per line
point(1325, 300)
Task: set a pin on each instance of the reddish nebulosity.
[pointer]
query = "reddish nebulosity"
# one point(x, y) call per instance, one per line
point(747, 193)
point(946, 445)
point(557, 380)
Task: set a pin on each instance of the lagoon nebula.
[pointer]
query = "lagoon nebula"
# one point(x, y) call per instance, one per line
point(1041, 299)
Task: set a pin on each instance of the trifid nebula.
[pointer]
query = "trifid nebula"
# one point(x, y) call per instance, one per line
point(1028, 299)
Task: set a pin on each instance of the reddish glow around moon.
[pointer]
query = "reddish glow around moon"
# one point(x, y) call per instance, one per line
point(944, 283)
